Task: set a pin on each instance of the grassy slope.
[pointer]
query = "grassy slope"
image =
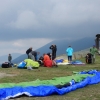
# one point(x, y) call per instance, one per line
point(91, 92)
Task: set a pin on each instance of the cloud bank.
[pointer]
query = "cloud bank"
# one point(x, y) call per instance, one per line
point(24, 21)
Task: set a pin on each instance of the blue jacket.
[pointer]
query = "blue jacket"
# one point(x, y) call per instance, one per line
point(69, 51)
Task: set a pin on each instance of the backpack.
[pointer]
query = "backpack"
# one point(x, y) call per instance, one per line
point(89, 58)
point(21, 64)
point(6, 65)
point(48, 63)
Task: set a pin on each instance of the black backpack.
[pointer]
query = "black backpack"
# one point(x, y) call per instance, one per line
point(89, 58)
point(6, 65)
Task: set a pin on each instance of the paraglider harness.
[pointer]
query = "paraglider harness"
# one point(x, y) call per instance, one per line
point(40, 61)
point(72, 82)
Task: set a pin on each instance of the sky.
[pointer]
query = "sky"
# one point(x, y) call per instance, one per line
point(34, 23)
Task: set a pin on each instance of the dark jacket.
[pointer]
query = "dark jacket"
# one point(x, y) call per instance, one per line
point(34, 53)
point(41, 58)
point(49, 54)
point(53, 48)
point(28, 51)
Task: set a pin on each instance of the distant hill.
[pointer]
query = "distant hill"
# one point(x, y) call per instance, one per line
point(61, 47)
point(5, 57)
point(20, 58)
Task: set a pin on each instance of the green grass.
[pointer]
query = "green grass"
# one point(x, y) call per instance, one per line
point(91, 92)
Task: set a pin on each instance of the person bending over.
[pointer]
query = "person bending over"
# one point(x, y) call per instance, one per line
point(28, 51)
point(33, 55)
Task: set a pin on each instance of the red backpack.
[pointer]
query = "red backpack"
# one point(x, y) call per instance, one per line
point(48, 63)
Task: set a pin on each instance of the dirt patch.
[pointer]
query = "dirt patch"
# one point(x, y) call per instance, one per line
point(4, 75)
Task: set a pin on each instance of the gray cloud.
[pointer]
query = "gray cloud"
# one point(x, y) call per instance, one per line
point(38, 17)
point(50, 19)
point(53, 18)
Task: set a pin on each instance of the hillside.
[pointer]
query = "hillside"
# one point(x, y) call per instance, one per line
point(61, 47)
point(5, 57)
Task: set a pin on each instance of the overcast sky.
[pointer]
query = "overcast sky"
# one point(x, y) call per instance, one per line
point(26, 23)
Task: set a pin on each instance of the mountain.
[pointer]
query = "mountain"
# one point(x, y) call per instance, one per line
point(62, 45)
point(20, 58)
point(77, 45)
point(5, 57)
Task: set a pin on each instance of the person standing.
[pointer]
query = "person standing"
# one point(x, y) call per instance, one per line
point(9, 58)
point(93, 51)
point(53, 47)
point(69, 52)
point(28, 51)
